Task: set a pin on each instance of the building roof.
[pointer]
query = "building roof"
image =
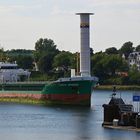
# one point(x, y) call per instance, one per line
point(116, 101)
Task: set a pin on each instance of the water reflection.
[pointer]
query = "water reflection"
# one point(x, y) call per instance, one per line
point(82, 119)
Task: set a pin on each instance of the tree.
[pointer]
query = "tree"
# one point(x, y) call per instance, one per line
point(97, 66)
point(105, 66)
point(3, 56)
point(112, 50)
point(1, 50)
point(138, 48)
point(45, 50)
point(134, 75)
point(16, 52)
point(114, 63)
point(127, 48)
point(25, 62)
point(45, 63)
point(63, 61)
point(45, 46)
point(91, 51)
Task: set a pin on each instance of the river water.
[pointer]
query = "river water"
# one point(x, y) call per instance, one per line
point(34, 122)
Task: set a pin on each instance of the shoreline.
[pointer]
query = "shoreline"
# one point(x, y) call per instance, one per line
point(127, 128)
point(22, 101)
point(118, 87)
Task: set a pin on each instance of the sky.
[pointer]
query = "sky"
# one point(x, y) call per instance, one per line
point(23, 22)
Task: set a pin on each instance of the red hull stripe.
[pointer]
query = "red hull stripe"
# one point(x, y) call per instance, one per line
point(68, 97)
point(73, 98)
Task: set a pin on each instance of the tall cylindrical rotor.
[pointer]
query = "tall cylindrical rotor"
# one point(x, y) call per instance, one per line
point(85, 44)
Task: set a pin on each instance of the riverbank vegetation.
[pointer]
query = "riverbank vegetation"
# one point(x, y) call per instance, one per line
point(118, 87)
point(21, 100)
point(47, 62)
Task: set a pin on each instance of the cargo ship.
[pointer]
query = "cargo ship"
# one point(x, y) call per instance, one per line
point(64, 91)
point(74, 90)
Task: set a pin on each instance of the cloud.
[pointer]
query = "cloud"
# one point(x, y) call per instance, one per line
point(30, 9)
point(114, 22)
point(57, 10)
point(5, 10)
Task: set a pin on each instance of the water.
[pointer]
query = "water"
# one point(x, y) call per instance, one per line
point(31, 122)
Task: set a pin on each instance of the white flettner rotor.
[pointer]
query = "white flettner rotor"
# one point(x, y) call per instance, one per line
point(85, 44)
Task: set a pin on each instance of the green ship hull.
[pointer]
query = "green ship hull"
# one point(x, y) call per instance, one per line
point(65, 91)
point(70, 91)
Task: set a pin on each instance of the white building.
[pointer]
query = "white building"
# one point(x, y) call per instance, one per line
point(11, 73)
point(134, 58)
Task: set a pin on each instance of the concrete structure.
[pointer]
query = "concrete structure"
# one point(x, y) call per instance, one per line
point(134, 58)
point(85, 44)
point(9, 72)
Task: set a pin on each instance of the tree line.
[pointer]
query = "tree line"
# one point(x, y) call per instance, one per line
point(109, 66)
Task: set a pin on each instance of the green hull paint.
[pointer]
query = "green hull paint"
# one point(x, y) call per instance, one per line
point(22, 86)
point(69, 87)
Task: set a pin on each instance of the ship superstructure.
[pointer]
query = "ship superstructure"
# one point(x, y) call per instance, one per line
point(10, 72)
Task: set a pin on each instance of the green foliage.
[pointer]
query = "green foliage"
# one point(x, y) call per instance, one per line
point(114, 80)
point(134, 76)
point(62, 63)
point(91, 51)
point(119, 87)
point(17, 52)
point(75, 61)
point(24, 58)
point(25, 62)
point(45, 63)
point(113, 64)
point(3, 56)
point(53, 63)
point(127, 48)
point(112, 50)
point(97, 66)
point(45, 51)
point(105, 66)
point(44, 47)
point(38, 76)
point(138, 48)
point(1, 50)
point(63, 60)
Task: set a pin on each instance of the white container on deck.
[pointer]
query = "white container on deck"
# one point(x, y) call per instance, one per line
point(115, 122)
point(72, 72)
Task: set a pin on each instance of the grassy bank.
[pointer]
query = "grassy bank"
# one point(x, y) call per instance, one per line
point(118, 87)
point(24, 101)
point(43, 102)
